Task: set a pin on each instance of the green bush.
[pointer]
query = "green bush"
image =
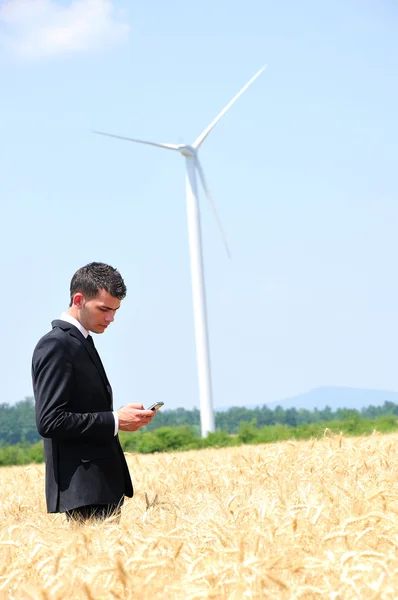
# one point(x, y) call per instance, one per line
point(21, 454)
point(385, 423)
point(36, 452)
point(219, 439)
point(247, 432)
point(275, 433)
point(174, 438)
point(148, 443)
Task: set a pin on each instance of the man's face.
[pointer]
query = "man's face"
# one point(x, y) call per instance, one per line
point(96, 314)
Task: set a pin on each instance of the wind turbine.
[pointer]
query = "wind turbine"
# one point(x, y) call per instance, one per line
point(193, 166)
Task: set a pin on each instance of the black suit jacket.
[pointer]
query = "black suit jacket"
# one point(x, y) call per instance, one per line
point(85, 463)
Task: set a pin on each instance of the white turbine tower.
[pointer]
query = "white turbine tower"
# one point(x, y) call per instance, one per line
point(195, 245)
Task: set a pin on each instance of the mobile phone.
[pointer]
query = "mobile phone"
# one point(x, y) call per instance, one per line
point(156, 406)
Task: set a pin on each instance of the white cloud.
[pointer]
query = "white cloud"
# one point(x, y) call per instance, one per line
point(41, 28)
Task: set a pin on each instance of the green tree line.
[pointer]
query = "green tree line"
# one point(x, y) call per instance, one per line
point(186, 436)
point(18, 425)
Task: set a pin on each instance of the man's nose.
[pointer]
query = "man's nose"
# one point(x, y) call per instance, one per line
point(110, 317)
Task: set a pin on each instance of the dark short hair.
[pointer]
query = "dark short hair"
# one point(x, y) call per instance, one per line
point(96, 276)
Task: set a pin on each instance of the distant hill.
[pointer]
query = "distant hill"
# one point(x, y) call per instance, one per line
point(335, 397)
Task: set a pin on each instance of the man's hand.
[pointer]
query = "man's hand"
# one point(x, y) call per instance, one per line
point(134, 416)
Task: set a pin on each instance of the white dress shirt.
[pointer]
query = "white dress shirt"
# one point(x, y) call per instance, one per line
point(67, 317)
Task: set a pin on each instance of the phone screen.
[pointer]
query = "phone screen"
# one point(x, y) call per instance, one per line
point(156, 406)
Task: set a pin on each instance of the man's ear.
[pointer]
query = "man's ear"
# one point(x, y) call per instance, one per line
point(78, 300)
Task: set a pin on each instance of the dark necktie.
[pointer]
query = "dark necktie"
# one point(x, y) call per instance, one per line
point(91, 342)
point(101, 367)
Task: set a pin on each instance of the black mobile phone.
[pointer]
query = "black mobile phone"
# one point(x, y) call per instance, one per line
point(156, 406)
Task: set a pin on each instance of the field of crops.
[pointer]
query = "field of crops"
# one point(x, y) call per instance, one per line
point(308, 519)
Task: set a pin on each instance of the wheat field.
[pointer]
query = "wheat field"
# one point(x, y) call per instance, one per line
point(310, 519)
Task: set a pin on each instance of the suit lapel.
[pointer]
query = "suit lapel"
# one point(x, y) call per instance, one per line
point(74, 331)
point(97, 361)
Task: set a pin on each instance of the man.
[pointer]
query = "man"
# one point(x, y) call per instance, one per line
point(86, 471)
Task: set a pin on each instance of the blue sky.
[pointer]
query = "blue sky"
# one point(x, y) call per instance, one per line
point(302, 170)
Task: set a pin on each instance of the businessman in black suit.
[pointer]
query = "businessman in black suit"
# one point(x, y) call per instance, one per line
point(86, 471)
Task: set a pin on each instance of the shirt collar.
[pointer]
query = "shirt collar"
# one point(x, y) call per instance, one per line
point(67, 317)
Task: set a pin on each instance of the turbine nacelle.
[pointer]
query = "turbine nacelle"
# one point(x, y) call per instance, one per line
point(187, 151)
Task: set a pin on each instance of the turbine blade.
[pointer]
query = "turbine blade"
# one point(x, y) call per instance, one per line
point(210, 199)
point(206, 132)
point(120, 137)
